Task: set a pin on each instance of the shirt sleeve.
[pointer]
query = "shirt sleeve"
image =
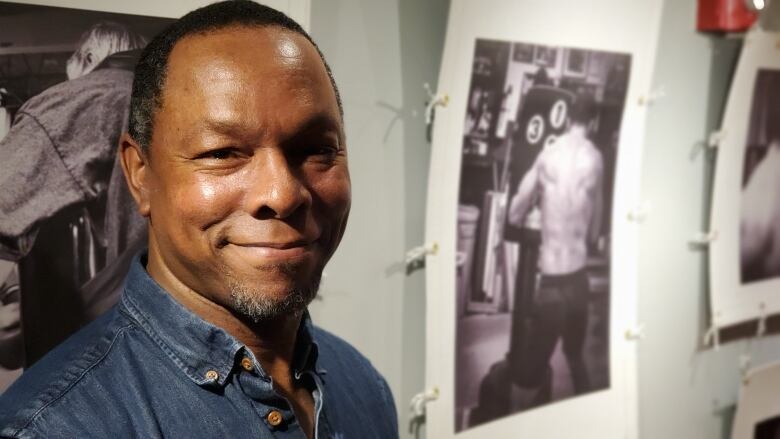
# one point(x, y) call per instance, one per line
point(34, 185)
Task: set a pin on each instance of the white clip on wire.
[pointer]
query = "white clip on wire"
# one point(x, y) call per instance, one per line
point(653, 96)
point(434, 100)
point(420, 400)
point(716, 138)
point(761, 330)
point(639, 213)
point(418, 254)
point(704, 238)
point(636, 333)
point(712, 336)
point(745, 361)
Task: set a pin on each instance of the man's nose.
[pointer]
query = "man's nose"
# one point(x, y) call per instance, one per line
point(276, 190)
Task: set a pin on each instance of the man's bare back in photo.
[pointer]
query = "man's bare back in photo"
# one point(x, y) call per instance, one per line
point(566, 180)
point(565, 184)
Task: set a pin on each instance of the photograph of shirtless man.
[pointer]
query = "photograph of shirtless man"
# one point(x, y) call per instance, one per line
point(566, 182)
point(533, 262)
point(760, 207)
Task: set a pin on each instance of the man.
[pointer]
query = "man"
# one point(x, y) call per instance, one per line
point(61, 191)
point(566, 181)
point(760, 219)
point(60, 139)
point(236, 155)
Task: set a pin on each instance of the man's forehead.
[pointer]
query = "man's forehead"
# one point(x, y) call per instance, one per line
point(235, 76)
point(257, 58)
point(253, 56)
point(274, 43)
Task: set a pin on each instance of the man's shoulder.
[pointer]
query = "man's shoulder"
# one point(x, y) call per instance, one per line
point(590, 156)
point(337, 356)
point(355, 385)
point(330, 344)
point(110, 84)
point(71, 369)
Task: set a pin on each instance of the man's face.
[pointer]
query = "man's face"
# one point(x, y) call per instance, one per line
point(248, 189)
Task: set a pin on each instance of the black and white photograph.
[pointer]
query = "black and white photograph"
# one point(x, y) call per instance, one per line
point(539, 153)
point(69, 227)
point(759, 224)
point(768, 429)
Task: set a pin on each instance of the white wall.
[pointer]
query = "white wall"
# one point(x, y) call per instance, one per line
point(297, 9)
point(685, 391)
point(381, 53)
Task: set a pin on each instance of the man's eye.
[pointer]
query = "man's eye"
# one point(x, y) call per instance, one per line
point(219, 154)
point(325, 151)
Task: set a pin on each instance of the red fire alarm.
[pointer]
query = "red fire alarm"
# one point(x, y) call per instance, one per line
point(727, 15)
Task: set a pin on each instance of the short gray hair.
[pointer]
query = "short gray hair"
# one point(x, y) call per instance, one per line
point(102, 40)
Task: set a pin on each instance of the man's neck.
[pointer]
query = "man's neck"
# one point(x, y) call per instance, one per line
point(272, 341)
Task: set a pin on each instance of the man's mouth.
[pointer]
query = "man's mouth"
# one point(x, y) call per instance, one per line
point(274, 245)
point(274, 250)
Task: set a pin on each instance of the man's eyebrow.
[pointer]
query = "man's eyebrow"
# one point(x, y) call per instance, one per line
point(223, 126)
point(315, 124)
point(319, 122)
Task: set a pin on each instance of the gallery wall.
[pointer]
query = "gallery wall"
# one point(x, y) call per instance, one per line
point(382, 52)
point(297, 9)
point(685, 390)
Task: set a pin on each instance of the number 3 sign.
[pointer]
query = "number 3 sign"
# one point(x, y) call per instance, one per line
point(534, 131)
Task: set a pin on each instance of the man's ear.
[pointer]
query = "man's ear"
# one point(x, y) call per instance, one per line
point(135, 164)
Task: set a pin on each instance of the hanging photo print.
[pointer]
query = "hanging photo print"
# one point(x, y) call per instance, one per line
point(758, 409)
point(540, 146)
point(745, 219)
point(759, 225)
point(69, 226)
point(767, 429)
point(534, 168)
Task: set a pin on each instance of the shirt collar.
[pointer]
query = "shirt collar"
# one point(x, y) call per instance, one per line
point(306, 349)
point(195, 346)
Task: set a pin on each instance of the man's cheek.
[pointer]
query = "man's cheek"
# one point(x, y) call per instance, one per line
point(334, 188)
point(201, 203)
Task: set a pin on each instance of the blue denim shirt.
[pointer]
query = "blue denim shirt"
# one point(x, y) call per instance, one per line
point(151, 368)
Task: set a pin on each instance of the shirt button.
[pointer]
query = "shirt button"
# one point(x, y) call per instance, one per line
point(274, 418)
point(212, 375)
point(246, 363)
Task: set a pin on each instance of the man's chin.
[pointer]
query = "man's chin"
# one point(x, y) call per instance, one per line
point(257, 303)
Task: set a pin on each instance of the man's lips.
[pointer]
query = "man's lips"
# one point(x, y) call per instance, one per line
point(274, 250)
point(276, 245)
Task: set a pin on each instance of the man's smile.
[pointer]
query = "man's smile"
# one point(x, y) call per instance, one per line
point(274, 250)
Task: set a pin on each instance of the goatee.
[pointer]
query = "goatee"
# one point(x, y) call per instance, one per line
point(257, 306)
